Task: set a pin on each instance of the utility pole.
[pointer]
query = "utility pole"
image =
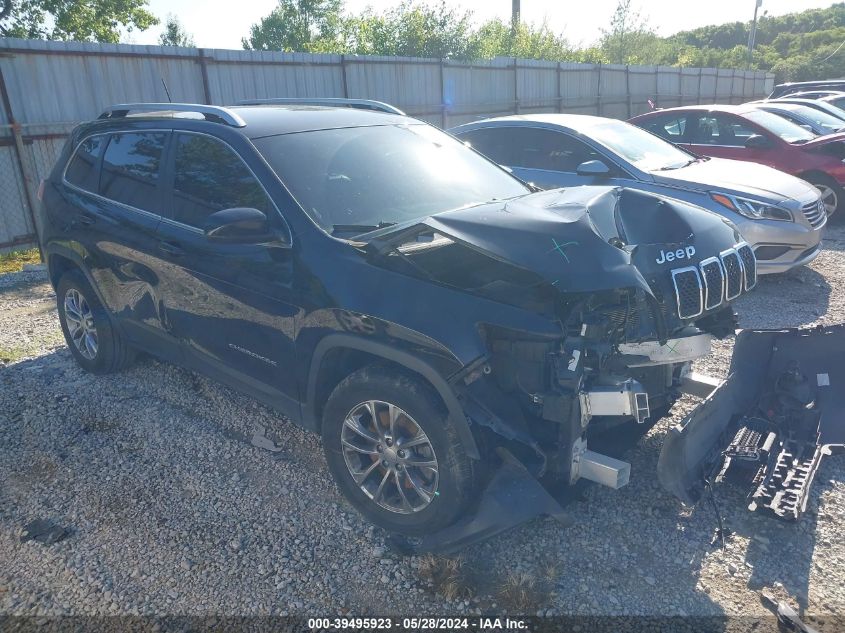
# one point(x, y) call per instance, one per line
point(752, 36)
point(514, 15)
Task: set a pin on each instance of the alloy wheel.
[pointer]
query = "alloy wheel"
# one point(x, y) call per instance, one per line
point(80, 323)
point(829, 198)
point(390, 457)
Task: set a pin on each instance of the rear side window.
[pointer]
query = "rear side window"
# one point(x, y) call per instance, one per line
point(82, 169)
point(131, 169)
point(210, 176)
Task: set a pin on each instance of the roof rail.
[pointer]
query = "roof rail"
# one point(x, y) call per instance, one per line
point(216, 114)
point(337, 102)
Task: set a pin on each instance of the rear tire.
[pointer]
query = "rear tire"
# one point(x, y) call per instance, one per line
point(393, 489)
point(94, 340)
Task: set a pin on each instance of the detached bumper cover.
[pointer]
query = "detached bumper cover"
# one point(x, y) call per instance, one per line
point(750, 420)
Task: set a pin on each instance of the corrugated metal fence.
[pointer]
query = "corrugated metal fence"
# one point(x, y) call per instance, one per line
point(48, 87)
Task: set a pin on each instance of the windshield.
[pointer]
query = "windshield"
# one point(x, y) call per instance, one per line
point(824, 120)
point(787, 130)
point(643, 149)
point(354, 180)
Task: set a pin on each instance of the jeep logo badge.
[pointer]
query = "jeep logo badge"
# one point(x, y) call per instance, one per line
point(670, 256)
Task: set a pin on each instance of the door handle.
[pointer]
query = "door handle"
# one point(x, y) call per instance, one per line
point(82, 219)
point(171, 248)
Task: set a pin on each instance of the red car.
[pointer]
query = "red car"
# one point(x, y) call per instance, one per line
point(745, 132)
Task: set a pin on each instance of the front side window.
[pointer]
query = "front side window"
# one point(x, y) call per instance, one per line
point(132, 169)
point(366, 177)
point(82, 169)
point(721, 130)
point(210, 177)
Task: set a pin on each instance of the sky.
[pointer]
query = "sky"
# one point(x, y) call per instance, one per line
point(222, 23)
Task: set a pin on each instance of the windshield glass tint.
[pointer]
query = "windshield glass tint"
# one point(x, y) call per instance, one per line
point(775, 124)
point(369, 176)
point(645, 150)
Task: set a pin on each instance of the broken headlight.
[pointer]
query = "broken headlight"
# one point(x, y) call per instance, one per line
point(751, 208)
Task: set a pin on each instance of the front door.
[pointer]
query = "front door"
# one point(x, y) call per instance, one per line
point(232, 305)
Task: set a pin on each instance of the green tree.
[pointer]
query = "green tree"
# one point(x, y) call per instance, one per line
point(498, 39)
point(175, 34)
point(412, 29)
point(81, 20)
point(298, 25)
point(629, 40)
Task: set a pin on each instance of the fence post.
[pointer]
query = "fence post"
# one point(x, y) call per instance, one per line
point(716, 86)
point(681, 85)
point(559, 89)
point(343, 76)
point(515, 87)
point(700, 73)
point(204, 70)
point(27, 173)
point(443, 117)
point(598, 91)
point(628, 88)
point(657, 86)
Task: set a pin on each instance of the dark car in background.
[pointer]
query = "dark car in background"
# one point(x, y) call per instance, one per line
point(830, 97)
point(816, 104)
point(780, 216)
point(380, 283)
point(813, 119)
point(806, 86)
point(747, 133)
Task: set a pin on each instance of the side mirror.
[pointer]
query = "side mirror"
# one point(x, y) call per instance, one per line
point(239, 225)
point(592, 168)
point(757, 141)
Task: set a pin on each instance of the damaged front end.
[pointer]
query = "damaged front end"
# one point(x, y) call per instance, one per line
point(637, 284)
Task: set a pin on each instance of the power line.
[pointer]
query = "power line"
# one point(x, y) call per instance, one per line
point(833, 53)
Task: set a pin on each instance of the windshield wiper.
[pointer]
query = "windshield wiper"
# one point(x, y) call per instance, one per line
point(359, 228)
point(673, 167)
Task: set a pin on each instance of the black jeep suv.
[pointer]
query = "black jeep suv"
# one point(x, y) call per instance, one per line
point(381, 283)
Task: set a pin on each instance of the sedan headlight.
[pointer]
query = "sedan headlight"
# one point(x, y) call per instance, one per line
point(751, 208)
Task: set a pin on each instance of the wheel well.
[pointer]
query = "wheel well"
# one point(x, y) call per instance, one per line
point(58, 265)
point(818, 175)
point(340, 362)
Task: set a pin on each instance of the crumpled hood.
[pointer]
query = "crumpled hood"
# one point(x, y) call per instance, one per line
point(581, 239)
point(738, 177)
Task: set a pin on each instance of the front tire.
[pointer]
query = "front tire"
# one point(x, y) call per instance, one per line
point(92, 337)
point(394, 452)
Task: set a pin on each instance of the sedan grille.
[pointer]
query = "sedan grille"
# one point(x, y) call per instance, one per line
point(749, 265)
point(815, 213)
point(688, 291)
point(733, 274)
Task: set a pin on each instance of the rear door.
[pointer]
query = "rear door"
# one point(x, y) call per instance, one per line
point(544, 157)
point(232, 305)
point(114, 187)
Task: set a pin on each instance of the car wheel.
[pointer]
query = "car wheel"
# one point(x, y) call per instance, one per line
point(394, 453)
point(96, 344)
point(833, 195)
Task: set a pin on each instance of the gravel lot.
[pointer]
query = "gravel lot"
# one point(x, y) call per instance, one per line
point(172, 510)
